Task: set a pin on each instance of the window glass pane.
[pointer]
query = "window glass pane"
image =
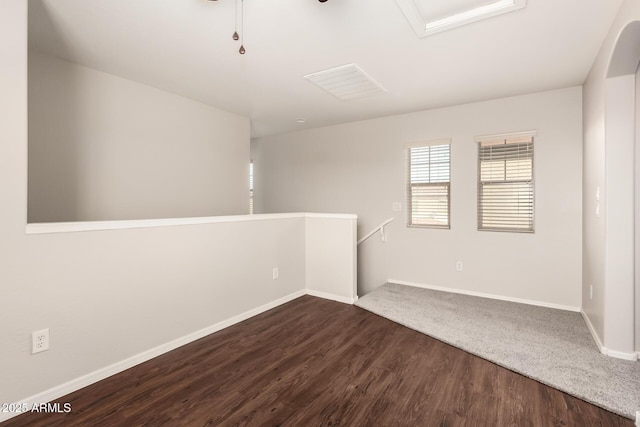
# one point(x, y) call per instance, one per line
point(430, 205)
point(428, 185)
point(505, 184)
point(507, 205)
point(251, 187)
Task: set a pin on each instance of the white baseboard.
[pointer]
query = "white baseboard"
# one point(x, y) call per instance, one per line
point(595, 336)
point(331, 297)
point(633, 356)
point(485, 295)
point(620, 354)
point(100, 374)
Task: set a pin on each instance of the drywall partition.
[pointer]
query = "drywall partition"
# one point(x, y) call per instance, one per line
point(361, 167)
point(115, 294)
point(619, 239)
point(604, 247)
point(105, 148)
point(330, 251)
point(113, 298)
point(637, 215)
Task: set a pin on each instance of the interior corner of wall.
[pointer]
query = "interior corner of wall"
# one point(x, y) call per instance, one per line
point(593, 332)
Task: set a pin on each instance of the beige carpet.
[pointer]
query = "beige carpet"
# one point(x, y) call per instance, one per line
point(548, 345)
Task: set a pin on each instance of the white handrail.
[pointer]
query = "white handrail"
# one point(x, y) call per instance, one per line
point(379, 228)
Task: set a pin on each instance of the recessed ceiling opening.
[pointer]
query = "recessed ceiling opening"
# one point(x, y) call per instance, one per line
point(427, 18)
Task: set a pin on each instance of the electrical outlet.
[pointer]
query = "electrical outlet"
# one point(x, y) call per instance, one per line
point(396, 207)
point(39, 341)
point(459, 266)
point(276, 273)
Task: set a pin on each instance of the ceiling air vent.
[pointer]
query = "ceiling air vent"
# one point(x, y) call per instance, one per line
point(346, 82)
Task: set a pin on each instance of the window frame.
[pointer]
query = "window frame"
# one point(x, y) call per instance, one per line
point(409, 184)
point(530, 182)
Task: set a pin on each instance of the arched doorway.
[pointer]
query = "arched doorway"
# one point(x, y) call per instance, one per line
point(622, 204)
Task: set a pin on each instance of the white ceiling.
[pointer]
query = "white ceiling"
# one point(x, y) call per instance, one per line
point(185, 47)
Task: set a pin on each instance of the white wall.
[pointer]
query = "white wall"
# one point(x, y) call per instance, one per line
point(331, 242)
point(619, 216)
point(105, 148)
point(360, 167)
point(637, 211)
point(595, 227)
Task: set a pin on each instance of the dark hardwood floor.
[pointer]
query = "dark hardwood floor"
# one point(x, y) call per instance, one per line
point(314, 362)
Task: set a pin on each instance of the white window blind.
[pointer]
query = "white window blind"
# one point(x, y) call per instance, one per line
point(428, 185)
point(505, 183)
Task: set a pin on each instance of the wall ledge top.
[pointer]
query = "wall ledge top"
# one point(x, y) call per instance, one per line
point(72, 227)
